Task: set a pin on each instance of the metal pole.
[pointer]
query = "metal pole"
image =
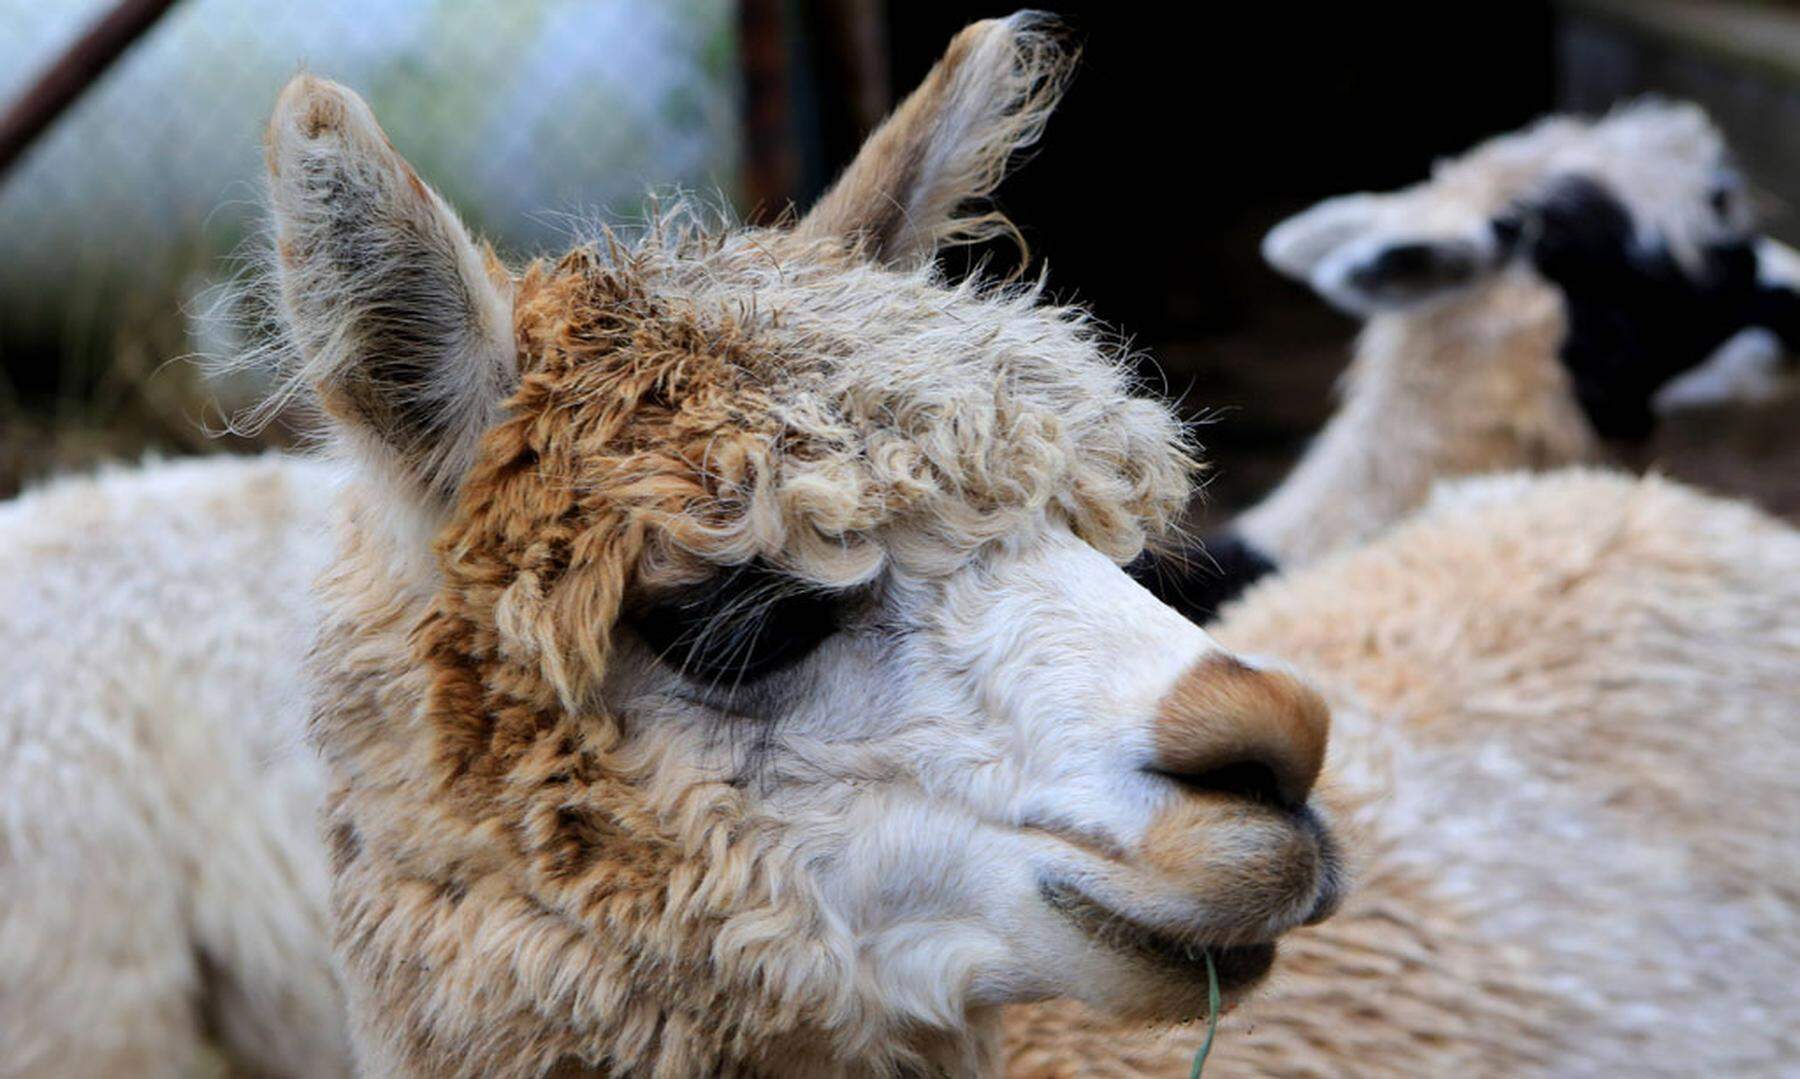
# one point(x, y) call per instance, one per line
point(70, 75)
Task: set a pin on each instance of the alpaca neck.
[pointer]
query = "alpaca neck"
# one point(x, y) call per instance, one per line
point(1471, 384)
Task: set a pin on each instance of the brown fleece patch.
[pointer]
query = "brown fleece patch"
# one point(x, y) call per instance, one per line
point(344, 843)
point(1222, 712)
point(419, 189)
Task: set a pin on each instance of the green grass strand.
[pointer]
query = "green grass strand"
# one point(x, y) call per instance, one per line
point(1212, 1017)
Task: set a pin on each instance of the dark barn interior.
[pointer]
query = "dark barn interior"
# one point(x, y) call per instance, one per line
point(1187, 134)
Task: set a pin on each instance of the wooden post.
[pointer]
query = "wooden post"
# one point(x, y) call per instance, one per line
point(833, 50)
point(771, 166)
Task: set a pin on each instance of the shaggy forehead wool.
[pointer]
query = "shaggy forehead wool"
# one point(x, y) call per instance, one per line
point(714, 398)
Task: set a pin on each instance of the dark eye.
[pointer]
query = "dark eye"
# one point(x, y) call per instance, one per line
point(1508, 229)
point(744, 624)
point(1723, 194)
point(1720, 199)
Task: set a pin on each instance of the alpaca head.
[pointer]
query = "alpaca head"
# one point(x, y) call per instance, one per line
point(730, 661)
point(1535, 299)
point(1637, 223)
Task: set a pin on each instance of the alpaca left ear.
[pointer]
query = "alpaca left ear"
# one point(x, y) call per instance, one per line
point(1298, 244)
point(402, 323)
point(1362, 262)
point(948, 144)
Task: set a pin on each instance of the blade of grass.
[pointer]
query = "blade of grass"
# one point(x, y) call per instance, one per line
point(1212, 1017)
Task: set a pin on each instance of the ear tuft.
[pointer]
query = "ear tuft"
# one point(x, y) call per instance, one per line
point(949, 143)
point(401, 324)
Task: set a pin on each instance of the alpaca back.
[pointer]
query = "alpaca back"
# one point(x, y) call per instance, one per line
point(159, 868)
point(1569, 770)
point(1594, 679)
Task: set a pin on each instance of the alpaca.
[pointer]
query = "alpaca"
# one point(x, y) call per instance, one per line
point(159, 873)
point(1526, 306)
point(671, 690)
point(555, 847)
point(728, 666)
point(1562, 753)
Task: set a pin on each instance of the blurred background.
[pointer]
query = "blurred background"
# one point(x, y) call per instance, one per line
point(1189, 131)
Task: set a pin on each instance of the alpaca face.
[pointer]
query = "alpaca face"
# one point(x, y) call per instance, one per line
point(1637, 223)
point(1018, 778)
point(733, 626)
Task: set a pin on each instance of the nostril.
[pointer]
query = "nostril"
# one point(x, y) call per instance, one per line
point(1248, 779)
point(1228, 728)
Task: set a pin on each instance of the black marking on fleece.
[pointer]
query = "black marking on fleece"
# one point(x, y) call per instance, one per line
point(1637, 319)
point(1777, 308)
point(1198, 582)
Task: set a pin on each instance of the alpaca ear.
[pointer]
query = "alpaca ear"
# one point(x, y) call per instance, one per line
point(1392, 274)
point(948, 144)
point(1301, 242)
point(402, 325)
point(1349, 251)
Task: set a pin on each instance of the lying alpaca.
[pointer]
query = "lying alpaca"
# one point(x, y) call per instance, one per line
point(1525, 306)
point(1568, 778)
point(159, 868)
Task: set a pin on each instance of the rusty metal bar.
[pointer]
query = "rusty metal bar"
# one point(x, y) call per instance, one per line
point(70, 75)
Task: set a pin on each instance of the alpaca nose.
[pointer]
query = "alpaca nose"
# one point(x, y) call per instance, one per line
point(1229, 728)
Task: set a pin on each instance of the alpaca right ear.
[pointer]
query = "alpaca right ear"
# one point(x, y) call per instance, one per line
point(948, 144)
point(403, 325)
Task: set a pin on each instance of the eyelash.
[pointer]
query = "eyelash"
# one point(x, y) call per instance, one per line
point(741, 626)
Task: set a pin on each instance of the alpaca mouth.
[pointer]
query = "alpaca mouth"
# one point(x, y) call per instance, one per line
point(1239, 966)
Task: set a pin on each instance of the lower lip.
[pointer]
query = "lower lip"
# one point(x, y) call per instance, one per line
point(1238, 966)
point(1242, 966)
